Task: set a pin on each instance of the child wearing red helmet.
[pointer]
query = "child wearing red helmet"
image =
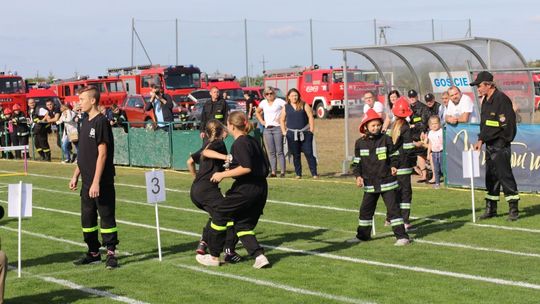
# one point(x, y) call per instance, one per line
point(375, 166)
point(403, 143)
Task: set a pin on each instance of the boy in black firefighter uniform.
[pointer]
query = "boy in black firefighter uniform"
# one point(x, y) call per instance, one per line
point(215, 108)
point(497, 130)
point(5, 136)
point(419, 126)
point(95, 165)
point(375, 170)
point(21, 131)
point(404, 146)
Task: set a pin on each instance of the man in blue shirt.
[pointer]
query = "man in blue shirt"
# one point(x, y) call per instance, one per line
point(163, 107)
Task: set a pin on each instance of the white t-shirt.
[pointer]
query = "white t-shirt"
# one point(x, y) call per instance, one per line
point(465, 105)
point(436, 140)
point(377, 107)
point(272, 113)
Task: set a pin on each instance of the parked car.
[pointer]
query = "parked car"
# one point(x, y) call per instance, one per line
point(134, 106)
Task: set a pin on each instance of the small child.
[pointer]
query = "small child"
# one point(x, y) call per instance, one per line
point(435, 148)
point(375, 170)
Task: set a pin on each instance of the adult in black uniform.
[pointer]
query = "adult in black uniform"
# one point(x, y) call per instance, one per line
point(95, 165)
point(215, 108)
point(20, 129)
point(419, 126)
point(497, 130)
point(52, 116)
point(205, 193)
point(5, 135)
point(245, 201)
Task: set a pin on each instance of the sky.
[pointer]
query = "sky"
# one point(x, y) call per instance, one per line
point(68, 37)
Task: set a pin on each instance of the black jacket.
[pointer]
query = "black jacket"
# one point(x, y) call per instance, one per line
point(20, 125)
point(373, 162)
point(214, 110)
point(166, 108)
point(419, 119)
point(497, 120)
point(404, 151)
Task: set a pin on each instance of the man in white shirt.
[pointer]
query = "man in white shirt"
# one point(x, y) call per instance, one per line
point(377, 106)
point(461, 109)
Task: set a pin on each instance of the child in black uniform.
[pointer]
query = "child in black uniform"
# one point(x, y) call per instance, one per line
point(95, 165)
point(204, 193)
point(245, 201)
point(375, 170)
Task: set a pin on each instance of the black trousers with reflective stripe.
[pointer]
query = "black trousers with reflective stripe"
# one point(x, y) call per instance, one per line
point(41, 140)
point(499, 171)
point(367, 210)
point(105, 206)
point(205, 195)
point(404, 195)
point(243, 204)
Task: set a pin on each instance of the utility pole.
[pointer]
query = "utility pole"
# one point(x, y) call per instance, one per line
point(382, 34)
point(264, 62)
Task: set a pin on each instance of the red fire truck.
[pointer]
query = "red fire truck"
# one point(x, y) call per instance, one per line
point(536, 80)
point(111, 89)
point(228, 84)
point(41, 94)
point(12, 91)
point(322, 88)
point(177, 81)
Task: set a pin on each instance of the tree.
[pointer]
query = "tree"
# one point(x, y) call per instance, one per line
point(534, 64)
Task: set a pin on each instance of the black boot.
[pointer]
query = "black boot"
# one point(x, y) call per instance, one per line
point(42, 155)
point(513, 212)
point(47, 156)
point(491, 210)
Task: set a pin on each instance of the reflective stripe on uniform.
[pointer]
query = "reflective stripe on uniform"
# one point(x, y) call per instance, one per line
point(395, 153)
point(356, 160)
point(417, 119)
point(369, 188)
point(91, 229)
point(512, 198)
point(396, 222)
point(492, 197)
point(381, 156)
point(364, 152)
point(365, 223)
point(230, 224)
point(380, 150)
point(492, 123)
point(109, 230)
point(218, 116)
point(405, 206)
point(404, 171)
point(46, 150)
point(217, 227)
point(242, 233)
point(389, 186)
point(408, 146)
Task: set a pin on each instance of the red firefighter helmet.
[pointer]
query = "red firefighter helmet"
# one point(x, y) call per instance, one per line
point(370, 115)
point(7, 111)
point(16, 107)
point(401, 108)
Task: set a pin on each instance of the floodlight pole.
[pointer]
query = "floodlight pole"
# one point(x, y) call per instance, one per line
point(247, 57)
point(311, 38)
point(132, 39)
point(176, 28)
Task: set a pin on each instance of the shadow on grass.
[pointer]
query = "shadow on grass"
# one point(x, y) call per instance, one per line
point(57, 296)
point(426, 227)
point(529, 211)
point(54, 258)
point(154, 254)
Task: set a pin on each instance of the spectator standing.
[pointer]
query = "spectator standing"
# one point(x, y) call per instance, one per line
point(51, 115)
point(435, 149)
point(118, 118)
point(70, 134)
point(419, 126)
point(215, 108)
point(297, 125)
point(461, 109)
point(5, 133)
point(250, 105)
point(95, 165)
point(163, 106)
point(498, 129)
point(434, 107)
point(21, 132)
point(268, 113)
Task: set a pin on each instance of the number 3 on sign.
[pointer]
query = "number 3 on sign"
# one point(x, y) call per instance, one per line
point(155, 186)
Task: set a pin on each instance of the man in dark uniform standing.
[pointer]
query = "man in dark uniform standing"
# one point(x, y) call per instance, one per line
point(95, 165)
point(215, 108)
point(419, 127)
point(497, 130)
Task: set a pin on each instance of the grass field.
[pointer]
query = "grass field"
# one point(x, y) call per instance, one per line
point(304, 228)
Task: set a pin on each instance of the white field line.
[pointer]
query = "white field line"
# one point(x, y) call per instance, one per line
point(325, 207)
point(343, 258)
point(52, 238)
point(435, 243)
point(275, 285)
point(74, 286)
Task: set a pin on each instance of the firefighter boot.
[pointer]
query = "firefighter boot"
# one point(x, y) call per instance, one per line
point(42, 155)
point(47, 156)
point(491, 210)
point(513, 212)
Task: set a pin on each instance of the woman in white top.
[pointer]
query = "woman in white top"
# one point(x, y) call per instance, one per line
point(70, 127)
point(269, 113)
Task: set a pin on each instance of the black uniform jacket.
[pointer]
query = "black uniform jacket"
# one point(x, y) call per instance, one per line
point(419, 119)
point(497, 120)
point(214, 110)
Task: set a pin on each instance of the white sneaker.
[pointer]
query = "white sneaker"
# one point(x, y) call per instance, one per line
point(402, 242)
point(260, 262)
point(207, 260)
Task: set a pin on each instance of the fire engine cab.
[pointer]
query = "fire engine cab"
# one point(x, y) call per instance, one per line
point(177, 81)
point(322, 89)
point(12, 91)
point(111, 89)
